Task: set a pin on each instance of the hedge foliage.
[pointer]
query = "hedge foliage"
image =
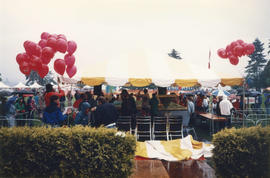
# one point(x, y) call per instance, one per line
point(242, 152)
point(65, 152)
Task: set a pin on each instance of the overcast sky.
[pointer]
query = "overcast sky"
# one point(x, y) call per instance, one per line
point(105, 28)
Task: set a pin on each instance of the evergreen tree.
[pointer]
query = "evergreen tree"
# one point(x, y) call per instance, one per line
point(256, 64)
point(49, 78)
point(269, 47)
point(174, 54)
point(265, 76)
point(0, 77)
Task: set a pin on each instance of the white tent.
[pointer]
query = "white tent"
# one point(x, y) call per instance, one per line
point(141, 69)
point(2, 85)
point(35, 85)
point(20, 85)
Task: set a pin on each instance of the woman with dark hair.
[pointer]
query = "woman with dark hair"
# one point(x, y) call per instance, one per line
point(20, 105)
point(52, 114)
point(20, 111)
point(50, 92)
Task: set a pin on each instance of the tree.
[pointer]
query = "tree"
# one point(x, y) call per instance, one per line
point(269, 47)
point(0, 77)
point(265, 76)
point(256, 64)
point(174, 54)
point(49, 78)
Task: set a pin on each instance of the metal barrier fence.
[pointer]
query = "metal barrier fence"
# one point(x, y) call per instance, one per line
point(249, 118)
point(12, 122)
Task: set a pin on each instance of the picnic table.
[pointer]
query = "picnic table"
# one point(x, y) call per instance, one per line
point(212, 118)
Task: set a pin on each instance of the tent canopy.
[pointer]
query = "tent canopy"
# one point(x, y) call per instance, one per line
point(20, 85)
point(140, 69)
point(2, 85)
point(35, 85)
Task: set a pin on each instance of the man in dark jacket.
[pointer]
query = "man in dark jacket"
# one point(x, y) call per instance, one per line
point(105, 113)
point(52, 114)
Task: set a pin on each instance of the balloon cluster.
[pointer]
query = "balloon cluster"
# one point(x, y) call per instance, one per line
point(235, 50)
point(38, 56)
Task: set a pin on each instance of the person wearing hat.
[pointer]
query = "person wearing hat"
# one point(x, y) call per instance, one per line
point(82, 117)
point(50, 92)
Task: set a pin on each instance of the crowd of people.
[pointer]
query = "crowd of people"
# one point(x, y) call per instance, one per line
point(56, 108)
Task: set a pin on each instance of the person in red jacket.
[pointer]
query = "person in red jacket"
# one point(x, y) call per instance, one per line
point(50, 92)
point(78, 102)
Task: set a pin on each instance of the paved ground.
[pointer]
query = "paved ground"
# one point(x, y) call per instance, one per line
point(164, 169)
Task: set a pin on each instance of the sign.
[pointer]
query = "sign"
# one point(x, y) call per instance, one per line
point(249, 100)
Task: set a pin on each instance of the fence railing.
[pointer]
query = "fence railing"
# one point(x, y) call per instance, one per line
point(249, 118)
point(12, 121)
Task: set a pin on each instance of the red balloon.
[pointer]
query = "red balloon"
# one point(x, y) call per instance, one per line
point(69, 60)
point(45, 60)
point(59, 66)
point(25, 44)
point(45, 35)
point(238, 50)
point(37, 51)
point(71, 71)
point(228, 48)
point(222, 53)
point(47, 53)
point(30, 47)
point(233, 44)
point(240, 41)
point(233, 60)
point(26, 57)
point(42, 43)
point(35, 63)
point(43, 71)
point(244, 45)
point(62, 37)
point(61, 45)
point(72, 46)
point(250, 48)
point(53, 35)
point(20, 58)
point(25, 68)
point(52, 43)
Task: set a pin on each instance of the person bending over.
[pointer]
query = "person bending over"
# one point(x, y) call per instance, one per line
point(52, 114)
point(105, 113)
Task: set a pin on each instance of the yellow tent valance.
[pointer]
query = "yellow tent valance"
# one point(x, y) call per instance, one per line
point(232, 81)
point(139, 82)
point(186, 83)
point(93, 81)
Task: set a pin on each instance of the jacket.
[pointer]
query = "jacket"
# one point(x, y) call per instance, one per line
point(82, 116)
point(105, 114)
point(53, 116)
point(49, 94)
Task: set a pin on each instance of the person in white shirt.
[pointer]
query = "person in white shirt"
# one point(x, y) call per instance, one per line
point(225, 109)
point(191, 110)
point(205, 103)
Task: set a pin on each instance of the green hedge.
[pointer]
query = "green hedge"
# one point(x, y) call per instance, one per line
point(65, 152)
point(242, 152)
